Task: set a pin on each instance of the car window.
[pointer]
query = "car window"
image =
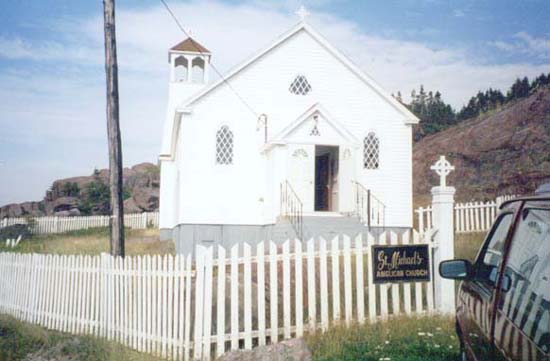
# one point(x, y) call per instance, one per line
point(491, 257)
point(527, 302)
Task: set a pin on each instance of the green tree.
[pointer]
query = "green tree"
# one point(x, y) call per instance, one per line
point(96, 199)
point(70, 189)
point(434, 114)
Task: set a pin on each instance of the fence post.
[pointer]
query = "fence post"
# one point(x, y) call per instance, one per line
point(103, 295)
point(144, 220)
point(443, 223)
point(420, 212)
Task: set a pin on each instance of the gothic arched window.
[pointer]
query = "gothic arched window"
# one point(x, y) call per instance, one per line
point(198, 68)
point(371, 151)
point(224, 146)
point(181, 69)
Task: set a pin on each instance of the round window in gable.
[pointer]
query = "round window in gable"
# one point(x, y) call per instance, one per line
point(300, 86)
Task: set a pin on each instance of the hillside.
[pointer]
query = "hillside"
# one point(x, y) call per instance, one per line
point(90, 194)
point(504, 152)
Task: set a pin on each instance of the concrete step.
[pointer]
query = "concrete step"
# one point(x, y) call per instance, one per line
point(319, 225)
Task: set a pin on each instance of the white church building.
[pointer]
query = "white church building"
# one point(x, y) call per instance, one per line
point(296, 142)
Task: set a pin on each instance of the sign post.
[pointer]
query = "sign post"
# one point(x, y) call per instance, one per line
point(443, 223)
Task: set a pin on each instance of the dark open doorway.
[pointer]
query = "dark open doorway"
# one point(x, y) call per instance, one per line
point(326, 178)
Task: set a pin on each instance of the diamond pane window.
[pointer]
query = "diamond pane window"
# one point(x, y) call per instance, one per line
point(371, 151)
point(224, 146)
point(300, 86)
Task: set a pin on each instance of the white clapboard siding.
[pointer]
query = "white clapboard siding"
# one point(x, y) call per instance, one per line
point(175, 307)
point(469, 217)
point(57, 224)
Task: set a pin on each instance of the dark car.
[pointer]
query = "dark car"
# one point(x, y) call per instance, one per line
point(503, 303)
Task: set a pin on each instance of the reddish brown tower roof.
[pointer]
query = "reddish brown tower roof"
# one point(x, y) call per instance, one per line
point(190, 45)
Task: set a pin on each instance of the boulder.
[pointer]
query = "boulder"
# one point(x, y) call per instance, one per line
point(130, 206)
point(32, 209)
point(57, 189)
point(11, 211)
point(73, 212)
point(146, 198)
point(65, 204)
point(290, 350)
point(144, 175)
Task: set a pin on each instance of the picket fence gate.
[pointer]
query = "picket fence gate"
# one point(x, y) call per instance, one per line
point(56, 224)
point(468, 217)
point(183, 308)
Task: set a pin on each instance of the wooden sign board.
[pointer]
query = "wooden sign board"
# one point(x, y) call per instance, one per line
point(409, 263)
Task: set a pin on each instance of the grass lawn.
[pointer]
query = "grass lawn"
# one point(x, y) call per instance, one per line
point(92, 242)
point(21, 341)
point(401, 338)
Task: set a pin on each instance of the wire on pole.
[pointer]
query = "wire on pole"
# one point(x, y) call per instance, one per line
point(245, 103)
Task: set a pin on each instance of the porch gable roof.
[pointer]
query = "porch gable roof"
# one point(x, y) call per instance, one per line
point(283, 136)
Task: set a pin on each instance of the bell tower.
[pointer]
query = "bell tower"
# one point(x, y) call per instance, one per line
point(189, 68)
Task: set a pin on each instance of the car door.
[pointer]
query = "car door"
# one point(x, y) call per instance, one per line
point(476, 295)
point(522, 322)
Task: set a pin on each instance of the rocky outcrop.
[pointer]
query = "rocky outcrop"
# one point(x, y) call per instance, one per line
point(505, 152)
point(143, 181)
point(290, 350)
point(89, 194)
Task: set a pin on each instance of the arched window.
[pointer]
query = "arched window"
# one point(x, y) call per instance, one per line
point(198, 70)
point(371, 151)
point(224, 146)
point(299, 153)
point(300, 86)
point(181, 69)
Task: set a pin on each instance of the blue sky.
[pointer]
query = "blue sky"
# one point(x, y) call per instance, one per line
point(52, 121)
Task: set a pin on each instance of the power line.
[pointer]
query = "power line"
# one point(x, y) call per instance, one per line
point(211, 65)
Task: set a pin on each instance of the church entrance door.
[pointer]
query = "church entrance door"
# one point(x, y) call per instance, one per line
point(326, 178)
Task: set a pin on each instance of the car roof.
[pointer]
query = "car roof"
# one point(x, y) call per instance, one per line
point(541, 194)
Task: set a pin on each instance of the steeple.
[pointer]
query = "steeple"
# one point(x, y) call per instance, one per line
point(189, 62)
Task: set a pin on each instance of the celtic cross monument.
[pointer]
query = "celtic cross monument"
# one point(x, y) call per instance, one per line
point(443, 223)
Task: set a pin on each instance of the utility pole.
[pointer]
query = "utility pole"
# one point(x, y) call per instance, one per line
point(113, 131)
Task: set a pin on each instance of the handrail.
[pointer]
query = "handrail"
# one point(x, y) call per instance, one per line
point(370, 209)
point(292, 207)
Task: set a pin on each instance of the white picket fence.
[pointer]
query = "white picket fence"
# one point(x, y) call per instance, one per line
point(180, 308)
point(54, 224)
point(468, 217)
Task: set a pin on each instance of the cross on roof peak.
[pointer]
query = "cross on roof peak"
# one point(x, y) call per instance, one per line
point(442, 167)
point(302, 13)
